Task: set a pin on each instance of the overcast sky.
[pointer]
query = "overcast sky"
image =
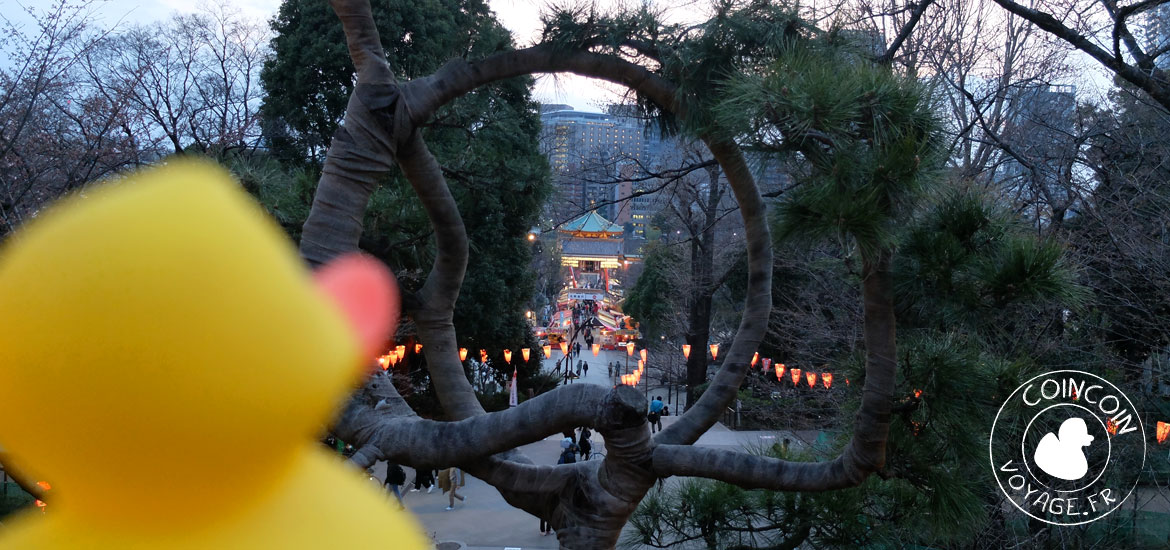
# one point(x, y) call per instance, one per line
point(522, 17)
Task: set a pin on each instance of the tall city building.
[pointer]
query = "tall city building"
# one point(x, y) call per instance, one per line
point(586, 152)
point(1039, 129)
point(1156, 28)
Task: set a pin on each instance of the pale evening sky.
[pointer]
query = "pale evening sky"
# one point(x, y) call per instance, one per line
point(522, 17)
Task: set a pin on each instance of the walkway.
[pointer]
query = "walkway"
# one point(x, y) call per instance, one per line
point(484, 521)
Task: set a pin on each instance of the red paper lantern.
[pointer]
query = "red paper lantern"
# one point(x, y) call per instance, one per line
point(1163, 431)
point(525, 352)
point(630, 348)
point(827, 379)
point(812, 379)
point(400, 351)
point(596, 349)
point(714, 351)
point(564, 347)
point(417, 348)
point(687, 351)
point(508, 356)
point(795, 377)
point(755, 358)
point(462, 354)
point(547, 351)
point(643, 354)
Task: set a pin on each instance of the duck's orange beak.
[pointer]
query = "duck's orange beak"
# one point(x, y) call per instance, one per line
point(366, 293)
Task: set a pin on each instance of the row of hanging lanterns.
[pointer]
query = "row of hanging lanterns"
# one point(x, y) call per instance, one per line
point(713, 347)
point(633, 378)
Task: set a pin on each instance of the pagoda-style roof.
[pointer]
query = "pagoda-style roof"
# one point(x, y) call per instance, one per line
point(590, 247)
point(592, 224)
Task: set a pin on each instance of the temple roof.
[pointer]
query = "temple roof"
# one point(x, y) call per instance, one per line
point(590, 247)
point(591, 223)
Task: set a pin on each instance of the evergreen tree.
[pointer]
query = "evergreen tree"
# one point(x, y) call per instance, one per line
point(485, 141)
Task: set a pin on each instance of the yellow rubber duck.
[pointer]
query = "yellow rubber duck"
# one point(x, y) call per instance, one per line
point(167, 363)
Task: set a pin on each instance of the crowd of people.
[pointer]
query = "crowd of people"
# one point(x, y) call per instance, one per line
point(448, 480)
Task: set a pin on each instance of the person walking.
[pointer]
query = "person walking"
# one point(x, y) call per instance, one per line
point(585, 367)
point(609, 369)
point(423, 477)
point(584, 444)
point(450, 480)
point(654, 416)
point(395, 477)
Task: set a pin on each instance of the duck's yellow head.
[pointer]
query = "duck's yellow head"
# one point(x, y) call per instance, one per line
point(160, 338)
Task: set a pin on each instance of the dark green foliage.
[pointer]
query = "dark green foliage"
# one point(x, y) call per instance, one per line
point(867, 139)
point(485, 141)
point(655, 299)
point(310, 76)
point(967, 265)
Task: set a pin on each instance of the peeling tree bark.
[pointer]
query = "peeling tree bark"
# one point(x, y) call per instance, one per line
point(587, 503)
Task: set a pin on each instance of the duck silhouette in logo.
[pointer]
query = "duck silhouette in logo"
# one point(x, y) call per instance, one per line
point(1064, 457)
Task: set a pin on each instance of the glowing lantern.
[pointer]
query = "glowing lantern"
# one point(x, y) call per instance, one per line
point(462, 354)
point(812, 379)
point(630, 348)
point(417, 348)
point(714, 351)
point(755, 358)
point(917, 394)
point(846, 381)
point(44, 485)
point(827, 379)
point(508, 356)
point(780, 368)
point(795, 377)
point(767, 364)
point(1163, 431)
point(564, 347)
point(643, 353)
point(596, 349)
point(525, 352)
point(483, 356)
point(687, 351)
point(384, 362)
point(547, 351)
point(393, 357)
point(641, 364)
point(400, 351)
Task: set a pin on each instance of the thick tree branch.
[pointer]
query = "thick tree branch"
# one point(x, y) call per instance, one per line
point(1158, 90)
point(888, 56)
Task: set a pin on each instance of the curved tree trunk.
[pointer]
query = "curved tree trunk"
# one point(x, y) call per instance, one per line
point(587, 503)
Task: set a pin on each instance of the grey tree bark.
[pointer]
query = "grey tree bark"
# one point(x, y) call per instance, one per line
point(587, 503)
